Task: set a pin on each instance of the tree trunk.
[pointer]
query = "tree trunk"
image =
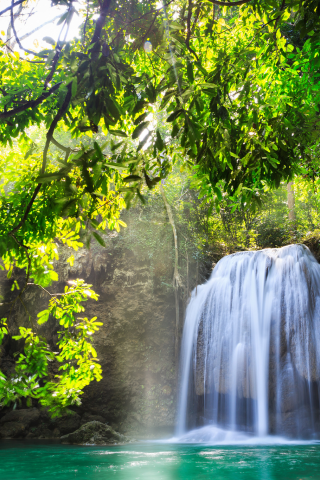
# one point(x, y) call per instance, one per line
point(176, 281)
point(292, 215)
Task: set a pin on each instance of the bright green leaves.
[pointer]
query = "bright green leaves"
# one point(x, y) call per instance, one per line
point(230, 113)
point(76, 355)
point(30, 367)
point(3, 329)
point(43, 316)
point(64, 307)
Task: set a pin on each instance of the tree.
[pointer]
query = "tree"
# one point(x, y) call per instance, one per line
point(241, 97)
point(292, 216)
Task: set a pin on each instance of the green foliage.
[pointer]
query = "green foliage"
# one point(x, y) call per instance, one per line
point(76, 355)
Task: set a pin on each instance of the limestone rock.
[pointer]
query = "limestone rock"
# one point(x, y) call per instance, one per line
point(25, 416)
point(94, 433)
point(12, 430)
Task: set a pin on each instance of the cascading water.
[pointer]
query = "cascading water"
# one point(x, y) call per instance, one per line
point(251, 346)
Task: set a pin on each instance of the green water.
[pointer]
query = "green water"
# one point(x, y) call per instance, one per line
point(25, 461)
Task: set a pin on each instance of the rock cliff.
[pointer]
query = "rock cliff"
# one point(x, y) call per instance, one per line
point(135, 345)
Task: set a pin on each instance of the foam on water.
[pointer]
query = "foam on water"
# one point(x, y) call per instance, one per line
point(213, 435)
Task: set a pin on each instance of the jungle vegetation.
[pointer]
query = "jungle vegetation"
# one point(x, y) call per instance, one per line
point(222, 95)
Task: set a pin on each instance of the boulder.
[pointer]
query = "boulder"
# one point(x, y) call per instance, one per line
point(25, 416)
point(12, 430)
point(94, 433)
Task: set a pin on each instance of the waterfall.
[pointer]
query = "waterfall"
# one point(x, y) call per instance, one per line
point(251, 345)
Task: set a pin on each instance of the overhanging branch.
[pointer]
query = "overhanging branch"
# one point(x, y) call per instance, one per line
point(62, 110)
point(14, 5)
point(31, 104)
point(101, 20)
point(26, 213)
point(15, 33)
point(59, 145)
point(229, 4)
point(190, 7)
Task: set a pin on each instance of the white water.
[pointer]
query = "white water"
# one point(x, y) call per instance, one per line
point(250, 349)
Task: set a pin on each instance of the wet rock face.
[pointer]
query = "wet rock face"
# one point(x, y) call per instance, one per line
point(25, 416)
point(94, 433)
point(135, 345)
point(16, 424)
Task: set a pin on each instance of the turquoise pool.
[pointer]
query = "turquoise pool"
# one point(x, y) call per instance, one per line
point(33, 461)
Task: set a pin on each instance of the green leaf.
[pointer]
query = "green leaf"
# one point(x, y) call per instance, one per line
point(175, 115)
point(118, 133)
point(132, 178)
point(159, 142)
point(74, 87)
point(190, 72)
point(43, 316)
point(99, 152)
point(48, 177)
point(99, 239)
point(49, 40)
point(115, 166)
point(140, 128)
point(141, 118)
point(62, 18)
point(218, 192)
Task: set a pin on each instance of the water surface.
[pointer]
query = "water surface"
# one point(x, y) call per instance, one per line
point(32, 461)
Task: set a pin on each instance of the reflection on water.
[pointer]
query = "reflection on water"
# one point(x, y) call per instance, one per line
point(30, 461)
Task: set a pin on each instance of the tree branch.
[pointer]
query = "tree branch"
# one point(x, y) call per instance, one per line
point(85, 23)
point(25, 59)
point(59, 145)
point(197, 17)
point(101, 20)
point(16, 36)
point(53, 125)
point(58, 48)
point(190, 7)
point(147, 32)
point(62, 110)
point(281, 8)
point(37, 28)
point(26, 213)
point(14, 5)
point(229, 4)
point(31, 104)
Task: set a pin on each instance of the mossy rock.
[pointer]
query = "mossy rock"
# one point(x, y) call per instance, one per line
point(94, 433)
